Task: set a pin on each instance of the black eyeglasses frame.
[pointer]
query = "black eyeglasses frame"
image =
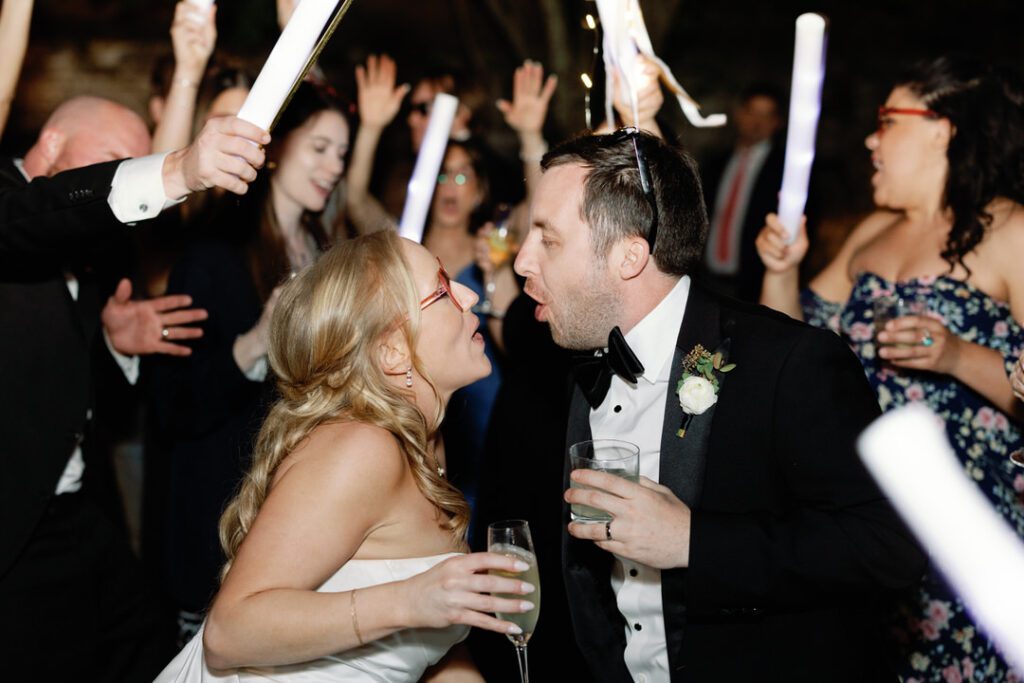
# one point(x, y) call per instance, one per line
point(646, 184)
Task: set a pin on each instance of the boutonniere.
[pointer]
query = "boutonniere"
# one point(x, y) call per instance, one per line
point(698, 389)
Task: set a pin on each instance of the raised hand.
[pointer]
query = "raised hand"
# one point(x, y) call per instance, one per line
point(193, 35)
point(285, 9)
point(459, 591)
point(378, 98)
point(649, 98)
point(226, 153)
point(138, 328)
point(531, 94)
point(777, 256)
point(650, 525)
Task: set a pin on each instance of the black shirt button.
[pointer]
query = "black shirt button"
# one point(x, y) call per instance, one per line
point(617, 409)
point(637, 627)
point(633, 572)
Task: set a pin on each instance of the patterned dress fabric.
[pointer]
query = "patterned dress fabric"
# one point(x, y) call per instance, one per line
point(938, 640)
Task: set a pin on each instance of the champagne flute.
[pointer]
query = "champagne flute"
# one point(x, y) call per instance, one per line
point(501, 246)
point(512, 539)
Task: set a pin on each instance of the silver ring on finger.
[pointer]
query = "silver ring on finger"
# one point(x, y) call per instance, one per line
point(926, 338)
point(608, 530)
point(165, 333)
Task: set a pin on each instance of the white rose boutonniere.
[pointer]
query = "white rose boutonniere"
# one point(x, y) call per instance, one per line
point(696, 395)
point(698, 389)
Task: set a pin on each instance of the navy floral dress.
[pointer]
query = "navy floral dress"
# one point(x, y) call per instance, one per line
point(940, 642)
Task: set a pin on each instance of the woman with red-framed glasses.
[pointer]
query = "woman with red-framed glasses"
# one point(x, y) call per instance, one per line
point(346, 543)
point(929, 293)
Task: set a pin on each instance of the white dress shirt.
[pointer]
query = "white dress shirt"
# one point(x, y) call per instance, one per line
point(636, 413)
point(136, 193)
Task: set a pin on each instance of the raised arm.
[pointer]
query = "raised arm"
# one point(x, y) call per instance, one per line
point(781, 289)
point(649, 100)
point(51, 216)
point(317, 515)
point(193, 35)
point(15, 19)
point(525, 114)
point(379, 101)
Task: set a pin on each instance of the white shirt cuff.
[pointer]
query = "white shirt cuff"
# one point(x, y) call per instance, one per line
point(258, 371)
point(137, 190)
point(129, 364)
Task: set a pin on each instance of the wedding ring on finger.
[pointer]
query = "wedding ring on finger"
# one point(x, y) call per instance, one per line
point(165, 333)
point(926, 338)
point(608, 530)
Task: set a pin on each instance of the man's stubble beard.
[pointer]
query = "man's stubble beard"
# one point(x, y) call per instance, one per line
point(588, 315)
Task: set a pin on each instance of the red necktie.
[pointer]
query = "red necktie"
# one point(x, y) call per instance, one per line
point(722, 247)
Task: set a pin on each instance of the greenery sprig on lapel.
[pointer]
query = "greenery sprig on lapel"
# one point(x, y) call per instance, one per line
point(698, 388)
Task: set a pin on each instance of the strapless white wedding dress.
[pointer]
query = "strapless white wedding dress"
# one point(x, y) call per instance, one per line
point(402, 656)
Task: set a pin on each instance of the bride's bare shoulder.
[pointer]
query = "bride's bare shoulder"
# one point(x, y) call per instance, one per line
point(349, 450)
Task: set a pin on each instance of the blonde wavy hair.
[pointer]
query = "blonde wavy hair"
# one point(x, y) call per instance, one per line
point(324, 344)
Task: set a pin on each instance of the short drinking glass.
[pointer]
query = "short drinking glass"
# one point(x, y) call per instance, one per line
point(620, 458)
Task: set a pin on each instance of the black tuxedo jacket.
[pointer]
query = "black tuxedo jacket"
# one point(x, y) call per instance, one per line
point(47, 226)
point(792, 544)
point(764, 199)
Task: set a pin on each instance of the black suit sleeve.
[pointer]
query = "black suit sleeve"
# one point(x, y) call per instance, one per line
point(838, 538)
point(57, 215)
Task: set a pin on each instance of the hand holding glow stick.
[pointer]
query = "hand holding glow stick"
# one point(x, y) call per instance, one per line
point(907, 453)
point(428, 163)
point(285, 65)
point(804, 108)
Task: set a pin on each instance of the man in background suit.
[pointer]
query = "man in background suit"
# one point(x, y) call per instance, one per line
point(755, 547)
point(71, 601)
point(741, 186)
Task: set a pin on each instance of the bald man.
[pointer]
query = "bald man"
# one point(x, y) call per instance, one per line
point(71, 598)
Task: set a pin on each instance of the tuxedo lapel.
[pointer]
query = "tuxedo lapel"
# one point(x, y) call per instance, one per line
point(683, 459)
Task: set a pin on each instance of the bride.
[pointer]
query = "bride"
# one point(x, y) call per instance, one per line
point(345, 544)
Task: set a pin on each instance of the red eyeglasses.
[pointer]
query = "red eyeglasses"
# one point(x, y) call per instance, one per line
point(444, 288)
point(885, 112)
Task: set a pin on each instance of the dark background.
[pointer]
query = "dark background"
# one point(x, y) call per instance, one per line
point(715, 48)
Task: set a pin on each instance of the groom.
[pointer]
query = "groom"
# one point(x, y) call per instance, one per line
point(755, 547)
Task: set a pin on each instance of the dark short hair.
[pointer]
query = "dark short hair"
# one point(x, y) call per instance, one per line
point(767, 90)
point(614, 205)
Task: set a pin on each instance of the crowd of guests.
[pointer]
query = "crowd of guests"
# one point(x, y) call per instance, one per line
point(333, 414)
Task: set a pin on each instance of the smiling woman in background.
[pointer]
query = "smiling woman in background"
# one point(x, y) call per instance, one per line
point(209, 405)
point(947, 241)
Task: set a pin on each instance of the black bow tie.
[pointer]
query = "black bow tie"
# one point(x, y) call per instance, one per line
point(593, 372)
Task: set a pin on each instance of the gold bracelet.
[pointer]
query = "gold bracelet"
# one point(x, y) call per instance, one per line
point(355, 617)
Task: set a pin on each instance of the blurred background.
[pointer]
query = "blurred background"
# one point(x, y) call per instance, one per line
point(107, 48)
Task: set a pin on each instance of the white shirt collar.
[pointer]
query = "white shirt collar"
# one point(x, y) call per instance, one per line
point(653, 339)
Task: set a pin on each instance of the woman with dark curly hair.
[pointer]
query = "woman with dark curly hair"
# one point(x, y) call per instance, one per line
point(944, 249)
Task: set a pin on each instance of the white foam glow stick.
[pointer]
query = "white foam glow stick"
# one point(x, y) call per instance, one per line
point(286, 61)
point(428, 163)
point(199, 18)
point(804, 108)
point(625, 36)
point(979, 554)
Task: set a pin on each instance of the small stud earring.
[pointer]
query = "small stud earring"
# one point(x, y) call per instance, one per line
point(408, 377)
